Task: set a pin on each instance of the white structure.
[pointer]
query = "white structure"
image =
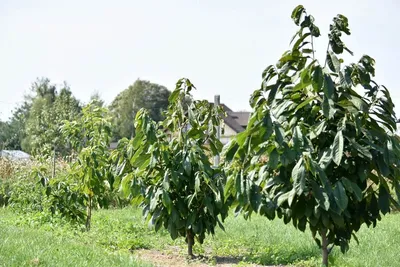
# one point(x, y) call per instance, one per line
point(234, 123)
point(14, 154)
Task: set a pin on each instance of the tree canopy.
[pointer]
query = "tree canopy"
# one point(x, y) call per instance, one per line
point(316, 152)
point(49, 106)
point(142, 94)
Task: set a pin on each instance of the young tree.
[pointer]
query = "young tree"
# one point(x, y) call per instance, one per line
point(90, 137)
point(181, 189)
point(316, 152)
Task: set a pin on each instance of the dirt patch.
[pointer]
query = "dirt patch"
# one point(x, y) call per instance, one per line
point(173, 258)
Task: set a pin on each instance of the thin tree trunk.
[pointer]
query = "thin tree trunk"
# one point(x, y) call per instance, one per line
point(190, 242)
point(54, 164)
point(89, 213)
point(324, 245)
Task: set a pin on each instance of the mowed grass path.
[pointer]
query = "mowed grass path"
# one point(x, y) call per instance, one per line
point(117, 234)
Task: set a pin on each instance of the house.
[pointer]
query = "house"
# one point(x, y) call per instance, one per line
point(234, 123)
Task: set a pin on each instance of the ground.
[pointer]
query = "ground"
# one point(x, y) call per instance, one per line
point(121, 238)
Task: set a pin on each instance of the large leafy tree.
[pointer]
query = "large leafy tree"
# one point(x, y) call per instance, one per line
point(49, 107)
point(169, 162)
point(142, 94)
point(320, 147)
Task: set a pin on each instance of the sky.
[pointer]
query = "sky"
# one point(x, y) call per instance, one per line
point(221, 46)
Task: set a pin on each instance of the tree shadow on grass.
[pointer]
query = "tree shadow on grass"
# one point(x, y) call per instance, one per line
point(227, 260)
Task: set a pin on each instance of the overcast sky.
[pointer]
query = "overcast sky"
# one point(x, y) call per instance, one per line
point(222, 46)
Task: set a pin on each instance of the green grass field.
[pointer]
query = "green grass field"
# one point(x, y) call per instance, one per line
point(117, 234)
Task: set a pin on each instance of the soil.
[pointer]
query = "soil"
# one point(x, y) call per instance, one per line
point(173, 258)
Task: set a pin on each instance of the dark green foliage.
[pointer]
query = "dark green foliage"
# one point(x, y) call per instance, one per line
point(169, 164)
point(142, 94)
point(27, 188)
point(315, 151)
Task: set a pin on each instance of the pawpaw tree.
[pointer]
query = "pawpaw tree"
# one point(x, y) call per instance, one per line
point(320, 148)
point(167, 166)
point(90, 137)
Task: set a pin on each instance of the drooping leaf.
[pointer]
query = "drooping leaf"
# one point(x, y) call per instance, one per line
point(298, 175)
point(337, 148)
point(340, 196)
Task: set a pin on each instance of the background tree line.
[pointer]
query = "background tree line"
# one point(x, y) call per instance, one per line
point(35, 124)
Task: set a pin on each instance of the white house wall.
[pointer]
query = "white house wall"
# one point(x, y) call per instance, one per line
point(229, 133)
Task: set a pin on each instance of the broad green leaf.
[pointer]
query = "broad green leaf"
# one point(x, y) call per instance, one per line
point(273, 159)
point(357, 191)
point(304, 103)
point(292, 194)
point(166, 200)
point(187, 166)
point(298, 140)
point(337, 148)
point(318, 79)
point(317, 129)
point(340, 196)
point(359, 103)
point(329, 87)
point(296, 14)
point(328, 107)
point(325, 159)
point(320, 196)
point(333, 62)
point(197, 183)
point(272, 93)
point(283, 198)
point(298, 176)
point(384, 200)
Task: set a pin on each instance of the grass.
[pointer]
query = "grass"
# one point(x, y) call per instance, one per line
point(21, 245)
point(116, 233)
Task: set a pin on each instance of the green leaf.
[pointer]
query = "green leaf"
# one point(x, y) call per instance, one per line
point(296, 14)
point(320, 196)
point(283, 198)
point(197, 183)
point(317, 129)
point(329, 87)
point(279, 133)
point(166, 200)
point(273, 159)
point(298, 176)
point(359, 103)
point(384, 200)
point(337, 148)
point(166, 181)
point(340, 196)
point(292, 194)
point(187, 166)
point(318, 78)
point(333, 62)
point(328, 107)
point(298, 140)
point(304, 103)
point(357, 191)
point(272, 93)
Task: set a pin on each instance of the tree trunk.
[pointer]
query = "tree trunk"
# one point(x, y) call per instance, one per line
point(53, 174)
point(89, 213)
point(324, 245)
point(190, 242)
